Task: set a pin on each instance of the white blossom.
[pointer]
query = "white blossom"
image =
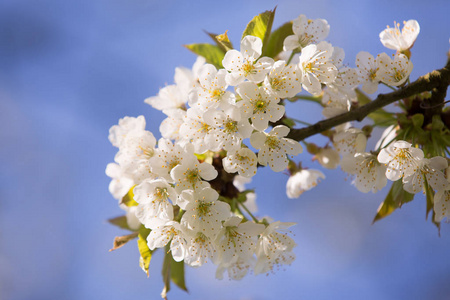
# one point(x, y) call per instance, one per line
point(243, 161)
point(393, 38)
point(118, 133)
point(370, 174)
point(200, 248)
point(302, 181)
point(442, 204)
point(431, 170)
point(316, 67)
point(401, 159)
point(328, 157)
point(172, 232)
point(367, 70)
point(273, 147)
point(306, 32)
point(350, 141)
point(259, 105)
point(394, 72)
point(283, 80)
point(245, 64)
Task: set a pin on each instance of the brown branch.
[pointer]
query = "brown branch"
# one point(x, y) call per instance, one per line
point(437, 79)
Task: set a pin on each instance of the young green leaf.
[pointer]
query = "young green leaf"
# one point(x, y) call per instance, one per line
point(212, 53)
point(146, 253)
point(261, 26)
point(276, 39)
point(128, 199)
point(119, 241)
point(396, 197)
point(222, 40)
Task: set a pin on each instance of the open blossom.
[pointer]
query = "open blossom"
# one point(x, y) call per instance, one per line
point(229, 128)
point(302, 181)
point(168, 155)
point(350, 141)
point(204, 213)
point(196, 130)
point(236, 269)
point(170, 126)
point(283, 80)
point(237, 238)
point(394, 72)
point(370, 174)
point(166, 232)
point(316, 67)
point(153, 197)
point(442, 204)
point(431, 170)
point(211, 92)
point(306, 32)
point(119, 132)
point(191, 173)
point(200, 248)
point(121, 182)
point(273, 147)
point(401, 159)
point(243, 161)
point(245, 64)
point(259, 105)
point(395, 39)
point(272, 247)
point(367, 68)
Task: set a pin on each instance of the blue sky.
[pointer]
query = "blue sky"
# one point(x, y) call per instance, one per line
point(70, 70)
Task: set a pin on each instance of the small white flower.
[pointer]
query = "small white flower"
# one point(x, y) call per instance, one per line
point(212, 90)
point(237, 239)
point(153, 202)
point(196, 130)
point(442, 205)
point(273, 148)
point(394, 72)
point(258, 105)
point(401, 159)
point(243, 161)
point(121, 182)
point(367, 69)
point(283, 80)
point(393, 38)
point(306, 32)
point(200, 248)
point(316, 67)
point(204, 213)
point(350, 141)
point(370, 174)
point(245, 64)
point(169, 231)
point(191, 173)
point(236, 269)
point(170, 126)
point(118, 133)
point(430, 168)
point(302, 181)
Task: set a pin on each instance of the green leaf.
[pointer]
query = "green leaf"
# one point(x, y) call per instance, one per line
point(128, 199)
point(261, 26)
point(177, 274)
point(119, 241)
point(396, 197)
point(417, 120)
point(120, 222)
point(172, 271)
point(146, 253)
point(213, 54)
point(362, 98)
point(288, 122)
point(222, 40)
point(276, 39)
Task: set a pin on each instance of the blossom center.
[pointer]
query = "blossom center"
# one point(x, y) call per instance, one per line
point(273, 142)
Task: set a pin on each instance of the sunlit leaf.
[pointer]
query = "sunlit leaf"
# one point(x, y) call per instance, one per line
point(128, 199)
point(222, 40)
point(396, 197)
point(146, 253)
point(212, 53)
point(261, 26)
point(119, 241)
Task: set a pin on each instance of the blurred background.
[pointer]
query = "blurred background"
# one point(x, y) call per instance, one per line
point(70, 69)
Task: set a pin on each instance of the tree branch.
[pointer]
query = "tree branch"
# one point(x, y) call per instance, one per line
point(438, 79)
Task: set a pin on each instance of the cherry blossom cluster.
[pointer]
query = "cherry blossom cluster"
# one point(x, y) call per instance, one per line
point(222, 124)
